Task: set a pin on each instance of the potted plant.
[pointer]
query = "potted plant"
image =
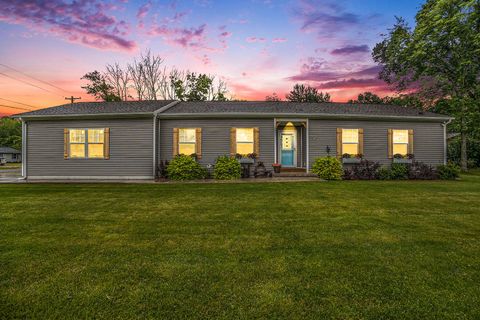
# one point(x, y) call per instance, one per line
point(400, 158)
point(277, 167)
point(246, 159)
point(352, 158)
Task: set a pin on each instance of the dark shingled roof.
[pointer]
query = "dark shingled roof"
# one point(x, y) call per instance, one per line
point(86, 108)
point(234, 107)
point(8, 150)
point(283, 107)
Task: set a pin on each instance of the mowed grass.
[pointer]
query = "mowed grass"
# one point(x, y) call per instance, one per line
point(310, 250)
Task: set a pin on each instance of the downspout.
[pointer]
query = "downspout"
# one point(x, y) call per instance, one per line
point(154, 146)
point(24, 149)
point(445, 140)
point(308, 145)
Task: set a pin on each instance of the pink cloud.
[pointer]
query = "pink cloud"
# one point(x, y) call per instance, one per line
point(184, 37)
point(279, 40)
point(254, 39)
point(143, 10)
point(85, 22)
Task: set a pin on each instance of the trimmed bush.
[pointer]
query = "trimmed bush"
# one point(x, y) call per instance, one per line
point(184, 167)
point(399, 171)
point(227, 168)
point(384, 173)
point(449, 171)
point(421, 171)
point(328, 168)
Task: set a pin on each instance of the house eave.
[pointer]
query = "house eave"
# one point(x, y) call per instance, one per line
point(301, 115)
point(85, 116)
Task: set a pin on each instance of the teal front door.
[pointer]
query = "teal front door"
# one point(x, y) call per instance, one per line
point(288, 150)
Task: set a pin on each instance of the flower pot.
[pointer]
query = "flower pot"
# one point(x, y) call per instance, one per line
point(402, 160)
point(351, 160)
point(246, 160)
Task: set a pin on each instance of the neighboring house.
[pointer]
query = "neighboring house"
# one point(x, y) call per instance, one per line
point(10, 154)
point(127, 140)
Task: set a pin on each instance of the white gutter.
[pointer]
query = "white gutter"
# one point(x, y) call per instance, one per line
point(155, 118)
point(445, 140)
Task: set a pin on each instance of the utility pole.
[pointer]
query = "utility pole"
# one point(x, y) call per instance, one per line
point(72, 99)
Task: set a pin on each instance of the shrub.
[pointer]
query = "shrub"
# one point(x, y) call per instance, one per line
point(384, 173)
point(227, 168)
point(449, 171)
point(328, 168)
point(421, 171)
point(366, 170)
point(184, 167)
point(399, 171)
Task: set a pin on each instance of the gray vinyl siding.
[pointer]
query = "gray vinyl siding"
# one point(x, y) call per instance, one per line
point(428, 139)
point(131, 149)
point(216, 137)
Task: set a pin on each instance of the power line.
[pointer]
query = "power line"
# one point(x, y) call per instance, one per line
point(28, 105)
point(19, 108)
point(26, 75)
point(30, 84)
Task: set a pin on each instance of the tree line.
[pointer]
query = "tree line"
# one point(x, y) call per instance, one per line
point(147, 78)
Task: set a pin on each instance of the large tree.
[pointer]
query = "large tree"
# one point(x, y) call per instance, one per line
point(438, 59)
point(99, 88)
point(306, 93)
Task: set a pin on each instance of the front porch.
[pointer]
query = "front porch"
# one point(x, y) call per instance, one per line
point(291, 149)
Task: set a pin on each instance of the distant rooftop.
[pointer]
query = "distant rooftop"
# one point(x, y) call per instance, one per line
point(8, 150)
point(204, 108)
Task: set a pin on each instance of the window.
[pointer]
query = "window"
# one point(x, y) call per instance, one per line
point(186, 141)
point(400, 142)
point(350, 141)
point(245, 141)
point(86, 143)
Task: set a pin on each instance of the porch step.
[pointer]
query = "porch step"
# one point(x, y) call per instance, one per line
point(294, 170)
point(292, 174)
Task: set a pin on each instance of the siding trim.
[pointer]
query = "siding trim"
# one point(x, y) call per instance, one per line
point(91, 178)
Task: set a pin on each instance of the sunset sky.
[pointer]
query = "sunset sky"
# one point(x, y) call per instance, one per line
point(257, 47)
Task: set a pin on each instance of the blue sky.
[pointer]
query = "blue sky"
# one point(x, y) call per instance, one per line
point(257, 47)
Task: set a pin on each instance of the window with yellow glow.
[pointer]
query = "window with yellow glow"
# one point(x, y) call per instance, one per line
point(186, 141)
point(244, 141)
point(77, 143)
point(86, 143)
point(350, 141)
point(400, 142)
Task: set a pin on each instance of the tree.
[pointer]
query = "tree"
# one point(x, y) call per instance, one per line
point(438, 59)
point(368, 98)
point(273, 97)
point(197, 87)
point(119, 79)
point(10, 133)
point(406, 100)
point(99, 88)
point(306, 93)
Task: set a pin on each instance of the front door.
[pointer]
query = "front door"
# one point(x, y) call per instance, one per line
point(288, 149)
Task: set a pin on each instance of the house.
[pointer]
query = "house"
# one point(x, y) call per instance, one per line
point(10, 155)
point(127, 140)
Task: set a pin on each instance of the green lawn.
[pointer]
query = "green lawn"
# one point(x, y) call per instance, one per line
point(344, 250)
